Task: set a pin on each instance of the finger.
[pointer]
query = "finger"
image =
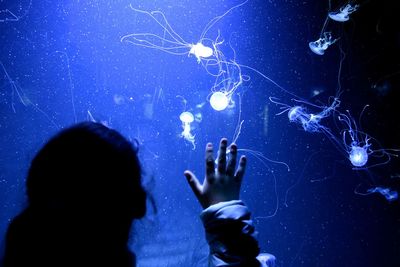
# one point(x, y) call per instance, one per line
point(221, 167)
point(232, 161)
point(194, 183)
point(210, 165)
point(240, 171)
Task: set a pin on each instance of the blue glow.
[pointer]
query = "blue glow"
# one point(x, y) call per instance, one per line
point(358, 156)
point(295, 112)
point(311, 122)
point(361, 147)
point(227, 73)
point(187, 118)
point(219, 101)
point(172, 43)
point(226, 83)
point(390, 195)
point(354, 143)
point(343, 14)
point(322, 44)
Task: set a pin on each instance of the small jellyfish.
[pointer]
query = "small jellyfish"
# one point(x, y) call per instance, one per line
point(358, 149)
point(201, 51)
point(309, 121)
point(219, 101)
point(363, 150)
point(227, 82)
point(316, 91)
point(358, 155)
point(187, 118)
point(171, 42)
point(356, 143)
point(295, 113)
point(343, 14)
point(319, 46)
point(390, 195)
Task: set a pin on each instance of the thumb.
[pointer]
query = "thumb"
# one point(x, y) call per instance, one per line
point(194, 183)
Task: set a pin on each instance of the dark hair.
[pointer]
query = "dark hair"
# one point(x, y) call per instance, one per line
point(84, 190)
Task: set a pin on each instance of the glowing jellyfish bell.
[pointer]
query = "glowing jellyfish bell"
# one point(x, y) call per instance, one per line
point(294, 113)
point(358, 156)
point(186, 117)
point(219, 101)
point(339, 16)
point(343, 14)
point(389, 194)
point(201, 51)
point(316, 48)
point(319, 46)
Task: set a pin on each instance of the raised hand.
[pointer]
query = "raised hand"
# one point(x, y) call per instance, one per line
point(221, 183)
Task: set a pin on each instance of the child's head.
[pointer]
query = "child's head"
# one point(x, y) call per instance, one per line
point(88, 169)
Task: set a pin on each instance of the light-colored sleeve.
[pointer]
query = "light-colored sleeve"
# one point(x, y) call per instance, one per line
point(231, 236)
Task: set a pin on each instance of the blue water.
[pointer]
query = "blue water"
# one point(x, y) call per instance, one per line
point(63, 62)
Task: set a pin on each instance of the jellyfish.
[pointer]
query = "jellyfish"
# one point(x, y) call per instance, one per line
point(226, 83)
point(219, 101)
point(311, 122)
point(358, 155)
point(355, 144)
point(389, 194)
point(187, 118)
point(359, 145)
point(200, 51)
point(319, 46)
point(171, 42)
point(343, 14)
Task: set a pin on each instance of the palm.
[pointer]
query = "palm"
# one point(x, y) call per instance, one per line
point(221, 183)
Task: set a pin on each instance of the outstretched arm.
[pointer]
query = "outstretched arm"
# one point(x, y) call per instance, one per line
point(221, 183)
point(229, 230)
